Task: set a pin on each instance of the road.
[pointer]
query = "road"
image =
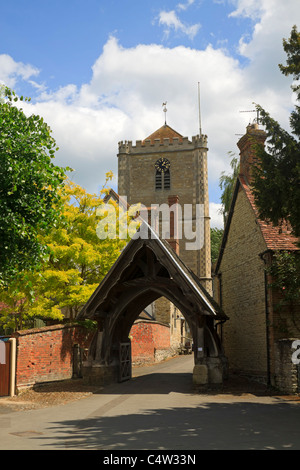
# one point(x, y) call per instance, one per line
point(157, 411)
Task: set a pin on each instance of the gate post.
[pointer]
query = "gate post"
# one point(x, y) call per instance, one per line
point(209, 366)
point(77, 361)
point(200, 372)
point(12, 383)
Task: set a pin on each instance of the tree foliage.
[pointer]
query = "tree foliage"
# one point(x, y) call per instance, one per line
point(216, 235)
point(227, 183)
point(285, 272)
point(29, 187)
point(277, 177)
point(78, 261)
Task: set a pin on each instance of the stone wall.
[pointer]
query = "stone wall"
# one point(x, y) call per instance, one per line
point(46, 354)
point(287, 378)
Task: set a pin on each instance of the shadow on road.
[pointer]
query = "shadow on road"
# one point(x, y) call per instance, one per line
point(207, 426)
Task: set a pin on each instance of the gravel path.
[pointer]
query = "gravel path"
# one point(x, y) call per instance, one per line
point(50, 394)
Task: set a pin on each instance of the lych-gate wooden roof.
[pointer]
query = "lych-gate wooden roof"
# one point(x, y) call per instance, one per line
point(146, 270)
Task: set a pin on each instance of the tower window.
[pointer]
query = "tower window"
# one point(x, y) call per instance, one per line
point(167, 182)
point(162, 175)
point(158, 180)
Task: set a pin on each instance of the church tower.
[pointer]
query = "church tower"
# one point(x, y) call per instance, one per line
point(167, 166)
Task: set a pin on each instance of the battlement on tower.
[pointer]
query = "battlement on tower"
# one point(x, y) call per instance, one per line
point(162, 145)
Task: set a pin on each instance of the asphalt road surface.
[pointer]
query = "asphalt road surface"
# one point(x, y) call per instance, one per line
point(157, 410)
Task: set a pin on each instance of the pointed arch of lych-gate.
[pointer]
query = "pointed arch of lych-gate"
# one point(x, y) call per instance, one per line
point(146, 270)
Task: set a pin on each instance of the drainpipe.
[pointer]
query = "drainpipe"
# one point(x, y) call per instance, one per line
point(221, 305)
point(12, 384)
point(267, 319)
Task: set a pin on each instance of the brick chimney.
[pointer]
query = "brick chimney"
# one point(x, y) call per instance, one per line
point(173, 240)
point(246, 144)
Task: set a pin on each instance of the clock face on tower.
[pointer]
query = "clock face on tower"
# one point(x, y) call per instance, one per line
point(162, 165)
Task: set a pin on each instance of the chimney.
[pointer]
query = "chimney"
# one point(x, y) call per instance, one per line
point(173, 240)
point(246, 144)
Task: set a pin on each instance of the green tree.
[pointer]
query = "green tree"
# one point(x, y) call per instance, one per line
point(285, 272)
point(227, 183)
point(29, 184)
point(78, 261)
point(276, 184)
point(216, 235)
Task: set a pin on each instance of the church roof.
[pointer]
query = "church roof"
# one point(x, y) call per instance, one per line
point(164, 132)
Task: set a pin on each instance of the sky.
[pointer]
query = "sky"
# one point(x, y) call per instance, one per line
point(98, 72)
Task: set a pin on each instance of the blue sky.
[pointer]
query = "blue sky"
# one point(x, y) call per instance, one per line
point(98, 71)
point(63, 39)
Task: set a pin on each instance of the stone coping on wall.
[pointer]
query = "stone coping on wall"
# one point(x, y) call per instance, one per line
point(42, 329)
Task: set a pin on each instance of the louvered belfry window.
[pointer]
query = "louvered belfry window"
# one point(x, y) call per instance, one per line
point(167, 182)
point(163, 180)
point(158, 180)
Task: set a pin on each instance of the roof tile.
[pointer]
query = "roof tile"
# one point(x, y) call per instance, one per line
point(276, 238)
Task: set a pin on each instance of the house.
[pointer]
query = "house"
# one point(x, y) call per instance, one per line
point(258, 336)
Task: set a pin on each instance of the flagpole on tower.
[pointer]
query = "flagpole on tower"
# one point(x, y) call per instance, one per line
point(199, 107)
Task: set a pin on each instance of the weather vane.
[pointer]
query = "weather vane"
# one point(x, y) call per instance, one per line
point(165, 111)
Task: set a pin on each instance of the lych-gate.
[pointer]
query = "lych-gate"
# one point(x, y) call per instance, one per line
point(146, 270)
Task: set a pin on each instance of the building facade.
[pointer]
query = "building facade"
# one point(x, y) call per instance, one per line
point(253, 335)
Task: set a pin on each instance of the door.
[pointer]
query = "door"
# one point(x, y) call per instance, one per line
point(4, 368)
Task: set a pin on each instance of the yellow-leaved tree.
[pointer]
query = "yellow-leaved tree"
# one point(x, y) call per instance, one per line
point(78, 261)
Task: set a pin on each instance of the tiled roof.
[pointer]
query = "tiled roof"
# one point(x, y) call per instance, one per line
point(165, 132)
point(275, 238)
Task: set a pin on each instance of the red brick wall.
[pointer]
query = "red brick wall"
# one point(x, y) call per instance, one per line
point(147, 338)
point(46, 354)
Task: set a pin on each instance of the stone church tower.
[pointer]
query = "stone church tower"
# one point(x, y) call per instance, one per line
point(168, 167)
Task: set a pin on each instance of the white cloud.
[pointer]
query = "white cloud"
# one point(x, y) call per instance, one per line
point(171, 21)
point(248, 8)
point(128, 86)
point(12, 71)
point(216, 218)
point(185, 6)
point(264, 50)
